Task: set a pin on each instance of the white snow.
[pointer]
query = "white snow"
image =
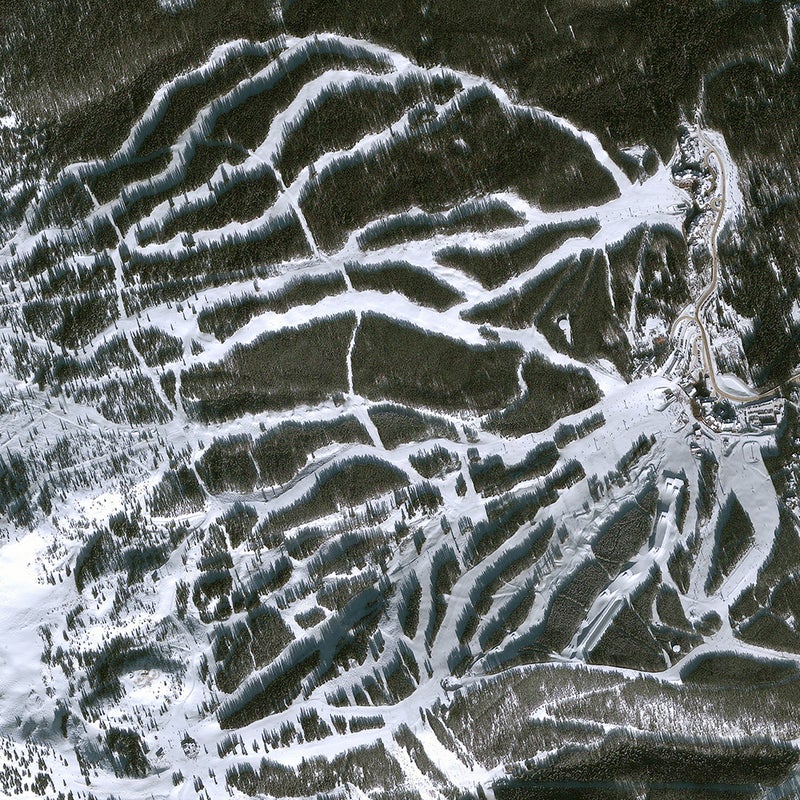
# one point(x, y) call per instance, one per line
point(649, 406)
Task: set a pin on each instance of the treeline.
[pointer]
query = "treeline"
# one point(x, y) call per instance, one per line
point(368, 767)
point(347, 484)
point(178, 492)
point(340, 115)
point(225, 317)
point(625, 465)
point(758, 262)
point(566, 433)
point(415, 283)
point(436, 462)
point(398, 424)
point(528, 154)
point(658, 759)
point(733, 537)
point(294, 366)
point(554, 391)
point(621, 537)
point(157, 347)
point(131, 400)
point(249, 644)
point(513, 561)
point(227, 257)
point(398, 362)
point(256, 103)
point(590, 78)
point(111, 661)
point(126, 544)
point(15, 484)
point(492, 476)
point(596, 330)
point(74, 321)
point(480, 215)
point(493, 266)
point(504, 518)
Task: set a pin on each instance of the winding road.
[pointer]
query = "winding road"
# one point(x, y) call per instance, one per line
point(696, 316)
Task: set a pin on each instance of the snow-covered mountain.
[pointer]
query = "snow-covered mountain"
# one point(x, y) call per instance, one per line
point(392, 410)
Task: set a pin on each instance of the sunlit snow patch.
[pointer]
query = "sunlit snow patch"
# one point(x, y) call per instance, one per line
point(566, 328)
point(733, 385)
point(176, 5)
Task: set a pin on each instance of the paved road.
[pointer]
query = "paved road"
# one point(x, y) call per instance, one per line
point(718, 205)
